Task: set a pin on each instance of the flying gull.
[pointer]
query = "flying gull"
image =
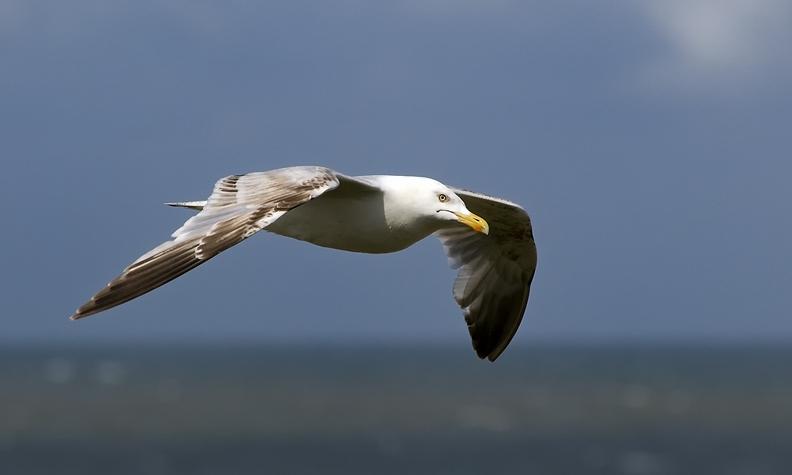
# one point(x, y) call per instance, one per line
point(374, 214)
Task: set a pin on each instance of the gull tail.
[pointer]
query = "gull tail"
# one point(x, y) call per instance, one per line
point(196, 205)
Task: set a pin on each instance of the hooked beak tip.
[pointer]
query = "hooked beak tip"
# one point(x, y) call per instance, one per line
point(475, 222)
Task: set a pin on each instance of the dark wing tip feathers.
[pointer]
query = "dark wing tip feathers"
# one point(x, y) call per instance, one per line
point(493, 303)
point(490, 342)
point(86, 310)
point(143, 277)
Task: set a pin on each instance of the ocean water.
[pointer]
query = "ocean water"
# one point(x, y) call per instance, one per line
point(632, 410)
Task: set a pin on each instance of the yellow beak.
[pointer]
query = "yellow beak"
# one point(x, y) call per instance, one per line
point(475, 222)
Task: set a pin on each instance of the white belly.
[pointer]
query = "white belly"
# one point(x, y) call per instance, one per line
point(338, 221)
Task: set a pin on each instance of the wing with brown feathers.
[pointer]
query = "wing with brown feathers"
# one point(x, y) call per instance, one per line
point(239, 206)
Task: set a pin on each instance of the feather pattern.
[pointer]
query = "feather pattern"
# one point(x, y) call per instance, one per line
point(494, 272)
point(239, 206)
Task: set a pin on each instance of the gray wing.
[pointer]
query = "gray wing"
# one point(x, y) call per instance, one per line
point(239, 206)
point(495, 271)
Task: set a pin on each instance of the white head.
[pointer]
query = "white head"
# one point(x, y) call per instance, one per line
point(432, 203)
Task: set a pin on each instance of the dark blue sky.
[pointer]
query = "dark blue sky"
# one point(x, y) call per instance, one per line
point(650, 142)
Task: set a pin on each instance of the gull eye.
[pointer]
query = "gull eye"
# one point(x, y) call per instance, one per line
point(442, 197)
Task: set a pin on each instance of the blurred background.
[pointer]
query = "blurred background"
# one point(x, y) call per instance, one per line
point(649, 141)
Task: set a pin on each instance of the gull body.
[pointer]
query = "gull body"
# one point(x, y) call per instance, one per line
point(388, 217)
point(370, 214)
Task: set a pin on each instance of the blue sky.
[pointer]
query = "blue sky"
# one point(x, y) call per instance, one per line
point(648, 140)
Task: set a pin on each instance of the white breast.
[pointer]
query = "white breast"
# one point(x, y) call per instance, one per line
point(350, 222)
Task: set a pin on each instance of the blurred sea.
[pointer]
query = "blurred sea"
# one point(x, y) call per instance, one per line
point(545, 410)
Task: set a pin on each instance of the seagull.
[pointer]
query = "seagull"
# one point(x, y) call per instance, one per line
point(495, 258)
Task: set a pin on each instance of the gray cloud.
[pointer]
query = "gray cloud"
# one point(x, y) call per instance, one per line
point(712, 44)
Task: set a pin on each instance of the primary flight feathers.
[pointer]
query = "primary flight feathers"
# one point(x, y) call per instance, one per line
point(489, 240)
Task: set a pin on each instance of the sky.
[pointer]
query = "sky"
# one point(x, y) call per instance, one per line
point(649, 141)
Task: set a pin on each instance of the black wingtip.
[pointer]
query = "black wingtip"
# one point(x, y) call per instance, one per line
point(78, 314)
point(85, 310)
point(489, 356)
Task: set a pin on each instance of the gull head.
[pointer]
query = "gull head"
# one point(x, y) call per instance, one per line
point(434, 203)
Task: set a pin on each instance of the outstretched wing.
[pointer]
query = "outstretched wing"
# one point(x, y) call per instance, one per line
point(239, 206)
point(495, 271)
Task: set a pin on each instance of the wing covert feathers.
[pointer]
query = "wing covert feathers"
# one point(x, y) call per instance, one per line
point(239, 206)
